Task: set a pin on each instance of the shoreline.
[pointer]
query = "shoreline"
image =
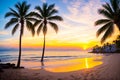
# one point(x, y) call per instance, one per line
point(109, 70)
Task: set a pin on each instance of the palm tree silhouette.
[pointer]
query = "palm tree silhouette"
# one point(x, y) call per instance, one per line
point(111, 12)
point(46, 15)
point(19, 18)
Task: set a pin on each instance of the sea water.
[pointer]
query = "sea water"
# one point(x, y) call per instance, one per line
point(31, 58)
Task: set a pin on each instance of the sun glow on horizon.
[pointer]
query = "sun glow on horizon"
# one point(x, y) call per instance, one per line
point(77, 31)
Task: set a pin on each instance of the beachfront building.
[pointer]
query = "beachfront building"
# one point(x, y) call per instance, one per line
point(109, 48)
point(105, 49)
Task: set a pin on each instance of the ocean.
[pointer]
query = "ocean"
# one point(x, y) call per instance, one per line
point(31, 57)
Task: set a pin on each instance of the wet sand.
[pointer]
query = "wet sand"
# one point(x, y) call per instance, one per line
point(109, 69)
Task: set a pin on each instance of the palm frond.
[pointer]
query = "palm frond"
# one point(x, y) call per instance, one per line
point(52, 12)
point(57, 18)
point(45, 29)
point(31, 14)
point(18, 6)
point(26, 9)
point(44, 9)
point(39, 28)
point(50, 7)
point(108, 32)
point(31, 19)
point(11, 22)
point(105, 13)
point(34, 14)
point(103, 28)
point(30, 27)
point(102, 21)
point(8, 14)
point(108, 8)
point(23, 4)
point(15, 12)
point(114, 4)
point(37, 22)
point(40, 10)
point(33, 31)
point(54, 26)
point(15, 28)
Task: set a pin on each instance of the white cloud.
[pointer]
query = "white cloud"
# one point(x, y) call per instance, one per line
point(65, 1)
point(3, 32)
point(57, 7)
point(79, 21)
point(44, 1)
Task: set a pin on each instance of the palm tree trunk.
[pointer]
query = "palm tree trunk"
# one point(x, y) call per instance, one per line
point(19, 58)
point(20, 41)
point(43, 50)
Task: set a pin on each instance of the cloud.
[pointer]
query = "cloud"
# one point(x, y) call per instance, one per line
point(44, 1)
point(77, 27)
point(3, 32)
point(79, 21)
point(64, 1)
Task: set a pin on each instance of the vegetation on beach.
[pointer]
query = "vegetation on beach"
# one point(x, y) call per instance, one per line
point(111, 12)
point(45, 16)
point(101, 49)
point(20, 18)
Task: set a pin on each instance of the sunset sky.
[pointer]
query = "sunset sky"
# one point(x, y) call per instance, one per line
point(77, 31)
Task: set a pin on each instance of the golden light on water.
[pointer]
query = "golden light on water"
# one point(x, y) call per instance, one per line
point(86, 63)
point(66, 65)
point(74, 65)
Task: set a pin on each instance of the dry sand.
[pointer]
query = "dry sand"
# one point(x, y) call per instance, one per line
point(109, 70)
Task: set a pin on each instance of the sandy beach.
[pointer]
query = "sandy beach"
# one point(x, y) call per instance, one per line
point(109, 69)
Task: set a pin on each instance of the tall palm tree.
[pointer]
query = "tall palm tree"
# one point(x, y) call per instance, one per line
point(111, 12)
point(20, 18)
point(46, 15)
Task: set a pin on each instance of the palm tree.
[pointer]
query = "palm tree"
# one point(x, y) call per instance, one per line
point(19, 18)
point(117, 41)
point(46, 15)
point(111, 12)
